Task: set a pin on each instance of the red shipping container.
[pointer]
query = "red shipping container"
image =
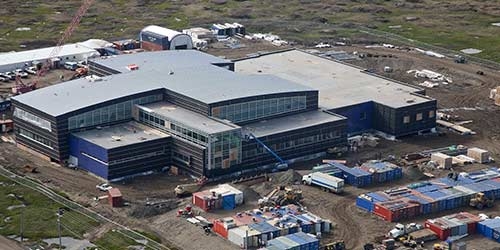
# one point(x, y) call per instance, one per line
point(435, 226)
point(199, 201)
point(220, 229)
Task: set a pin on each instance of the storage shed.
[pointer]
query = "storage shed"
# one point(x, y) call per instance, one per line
point(159, 38)
point(115, 197)
point(443, 160)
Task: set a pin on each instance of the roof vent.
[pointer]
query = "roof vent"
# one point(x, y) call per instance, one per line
point(132, 67)
point(410, 101)
point(171, 72)
point(116, 138)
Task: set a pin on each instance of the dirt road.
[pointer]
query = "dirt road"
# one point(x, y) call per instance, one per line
point(7, 244)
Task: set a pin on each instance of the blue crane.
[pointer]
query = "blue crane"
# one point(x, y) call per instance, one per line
point(282, 165)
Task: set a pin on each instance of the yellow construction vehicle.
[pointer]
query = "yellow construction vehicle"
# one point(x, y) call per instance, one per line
point(438, 246)
point(282, 196)
point(480, 201)
point(337, 245)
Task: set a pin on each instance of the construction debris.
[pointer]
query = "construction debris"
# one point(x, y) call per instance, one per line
point(454, 127)
point(435, 79)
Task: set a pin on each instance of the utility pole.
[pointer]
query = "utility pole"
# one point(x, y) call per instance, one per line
point(21, 227)
point(59, 215)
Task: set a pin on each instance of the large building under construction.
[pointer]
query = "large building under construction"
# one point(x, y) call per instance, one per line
point(188, 109)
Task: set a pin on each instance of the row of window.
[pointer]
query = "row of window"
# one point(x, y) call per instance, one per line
point(111, 113)
point(31, 118)
point(174, 128)
point(35, 138)
point(225, 147)
point(419, 116)
point(257, 109)
point(294, 143)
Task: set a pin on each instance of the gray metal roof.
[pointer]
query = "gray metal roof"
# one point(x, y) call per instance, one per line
point(339, 84)
point(128, 133)
point(192, 76)
point(165, 60)
point(290, 123)
point(190, 118)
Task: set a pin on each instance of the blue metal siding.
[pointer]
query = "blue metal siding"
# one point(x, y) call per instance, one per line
point(79, 146)
point(4, 105)
point(355, 121)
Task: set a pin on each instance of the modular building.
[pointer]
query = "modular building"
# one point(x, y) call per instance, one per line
point(69, 53)
point(156, 38)
point(370, 102)
point(206, 110)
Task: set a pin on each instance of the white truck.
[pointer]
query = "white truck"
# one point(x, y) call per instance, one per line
point(327, 182)
point(401, 230)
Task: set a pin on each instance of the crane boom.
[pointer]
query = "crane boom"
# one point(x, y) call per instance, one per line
point(282, 165)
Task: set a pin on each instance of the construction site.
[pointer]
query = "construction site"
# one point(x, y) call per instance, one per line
point(218, 137)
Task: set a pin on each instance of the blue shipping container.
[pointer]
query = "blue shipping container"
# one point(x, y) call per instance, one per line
point(228, 202)
point(364, 204)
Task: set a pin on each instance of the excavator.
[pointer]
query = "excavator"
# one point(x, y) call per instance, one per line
point(480, 201)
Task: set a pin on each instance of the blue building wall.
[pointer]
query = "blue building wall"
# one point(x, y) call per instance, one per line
point(359, 117)
point(79, 146)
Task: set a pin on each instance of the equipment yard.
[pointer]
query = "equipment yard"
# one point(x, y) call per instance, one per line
point(277, 142)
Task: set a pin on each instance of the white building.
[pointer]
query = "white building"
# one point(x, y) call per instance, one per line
point(69, 52)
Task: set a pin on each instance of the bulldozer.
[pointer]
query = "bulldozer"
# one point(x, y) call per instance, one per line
point(480, 201)
point(337, 245)
point(282, 196)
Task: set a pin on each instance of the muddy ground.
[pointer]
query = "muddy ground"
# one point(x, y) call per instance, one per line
point(468, 90)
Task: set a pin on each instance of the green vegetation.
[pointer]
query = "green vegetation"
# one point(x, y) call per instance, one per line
point(39, 215)
point(453, 24)
point(118, 240)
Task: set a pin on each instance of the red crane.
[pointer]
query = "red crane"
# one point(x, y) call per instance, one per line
point(23, 88)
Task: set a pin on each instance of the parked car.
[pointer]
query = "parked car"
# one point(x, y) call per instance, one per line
point(10, 75)
point(3, 79)
point(104, 187)
point(323, 45)
point(21, 73)
point(31, 70)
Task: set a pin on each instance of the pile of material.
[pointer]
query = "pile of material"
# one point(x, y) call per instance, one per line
point(433, 196)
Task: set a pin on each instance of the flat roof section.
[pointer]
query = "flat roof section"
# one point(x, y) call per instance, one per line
point(44, 53)
point(339, 84)
point(291, 122)
point(189, 118)
point(163, 61)
point(121, 135)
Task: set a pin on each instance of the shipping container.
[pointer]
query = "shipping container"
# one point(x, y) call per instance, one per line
point(244, 237)
point(222, 226)
point(354, 176)
point(328, 169)
point(115, 197)
point(437, 226)
point(396, 210)
point(364, 202)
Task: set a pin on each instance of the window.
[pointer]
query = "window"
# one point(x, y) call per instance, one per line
point(406, 119)
point(419, 117)
point(362, 116)
point(432, 114)
point(33, 119)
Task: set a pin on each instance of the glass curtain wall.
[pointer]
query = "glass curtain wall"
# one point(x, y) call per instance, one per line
point(225, 147)
point(111, 113)
point(247, 111)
